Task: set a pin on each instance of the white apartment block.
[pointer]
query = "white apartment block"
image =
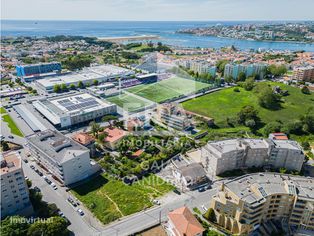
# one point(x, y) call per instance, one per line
point(64, 158)
point(14, 191)
point(222, 156)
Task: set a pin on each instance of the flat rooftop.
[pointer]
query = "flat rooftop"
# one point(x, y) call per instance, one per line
point(269, 184)
point(56, 146)
point(10, 161)
point(73, 104)
point(87, 74)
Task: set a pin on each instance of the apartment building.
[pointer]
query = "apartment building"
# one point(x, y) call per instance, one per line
point(173, 116)
point(233, 70)
point(244, 204)
point(221, 156)
point(304, 74)
point(65, 159)
point(14, 191)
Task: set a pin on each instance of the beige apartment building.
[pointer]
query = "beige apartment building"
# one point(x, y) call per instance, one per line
point(14, 191)
point(244, 204)
point(304, 74)
point(221, 156)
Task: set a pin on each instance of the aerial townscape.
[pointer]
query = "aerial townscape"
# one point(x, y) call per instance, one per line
point(156, 126)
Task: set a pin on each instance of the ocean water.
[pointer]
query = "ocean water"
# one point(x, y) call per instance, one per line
point(166, 30)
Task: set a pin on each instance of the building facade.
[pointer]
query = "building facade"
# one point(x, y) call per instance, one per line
point(221, 156)
point(233, 70)
point(304, 74)
point(173, 116)
point(65, 159)
point(14, 190)
point(244, 204)
point(37, 69)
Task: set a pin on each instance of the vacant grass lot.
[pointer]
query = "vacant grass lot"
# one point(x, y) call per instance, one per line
point(110, 199)
point(227, 103)
point(128, 102)
point(11, 124)
point(167, 89)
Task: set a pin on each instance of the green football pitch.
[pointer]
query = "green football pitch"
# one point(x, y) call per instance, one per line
point(129, 102)
point(167, 89)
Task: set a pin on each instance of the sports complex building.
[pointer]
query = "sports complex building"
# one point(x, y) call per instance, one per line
point(102, 73)
point(68, 110)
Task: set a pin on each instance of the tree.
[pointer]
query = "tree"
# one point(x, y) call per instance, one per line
point(305, 90)
point(276, 70)
point(271, 127)
point(236, 89)
point(241, 76)
point(307, 123)
point(95, 127)
point(95, 82)
point(268, 99)
point(72, 86)
point(4, 145)
point(248, 85)
point(64, 87)
point(56, 88)
point(210, 215)
point(247, 113)
point(14, 226)
point(110, 119)
point(53, 226)
point(81, 84)
point(250, 123)
point(221, 65)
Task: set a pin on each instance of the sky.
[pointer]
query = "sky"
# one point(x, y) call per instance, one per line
point(156, 10)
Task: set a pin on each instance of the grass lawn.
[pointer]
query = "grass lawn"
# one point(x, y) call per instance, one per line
point(11, 124)
point(167, 89)
point(110, 199)
point(128, 102)
point(227, 103)
point(2, 110)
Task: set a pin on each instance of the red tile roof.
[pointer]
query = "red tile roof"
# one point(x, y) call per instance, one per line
point(114, 134)
point(280, 136)
point(185, 222)
point(83, 138)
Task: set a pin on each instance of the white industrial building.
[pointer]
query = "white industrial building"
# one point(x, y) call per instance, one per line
point(221, 156)
point(67, 160)
point(71, 109)
point(102, 73)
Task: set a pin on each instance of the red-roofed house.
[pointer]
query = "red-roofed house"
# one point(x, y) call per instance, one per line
point(114, 136)
point(278, 136)
point(86, 140)
point(183, 223)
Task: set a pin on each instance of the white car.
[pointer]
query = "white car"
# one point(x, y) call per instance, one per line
point(204, 208)
point(54, 186)
point(80, 211)
point(156, 202)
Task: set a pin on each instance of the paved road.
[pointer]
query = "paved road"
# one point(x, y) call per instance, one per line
point(80, 226)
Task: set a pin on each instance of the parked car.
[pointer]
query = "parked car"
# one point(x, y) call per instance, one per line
point(80, 211)
point(202, 189)
point(70, 200)
point(11, 137)
point(32, 167)
point(37, 189)
point(48, 181)
point(54, 186)
point(25, 160)
point(204, 208)
point(156, 202)
point(177, 191)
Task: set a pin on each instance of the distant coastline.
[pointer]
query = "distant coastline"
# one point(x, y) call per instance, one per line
point(165, 31)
